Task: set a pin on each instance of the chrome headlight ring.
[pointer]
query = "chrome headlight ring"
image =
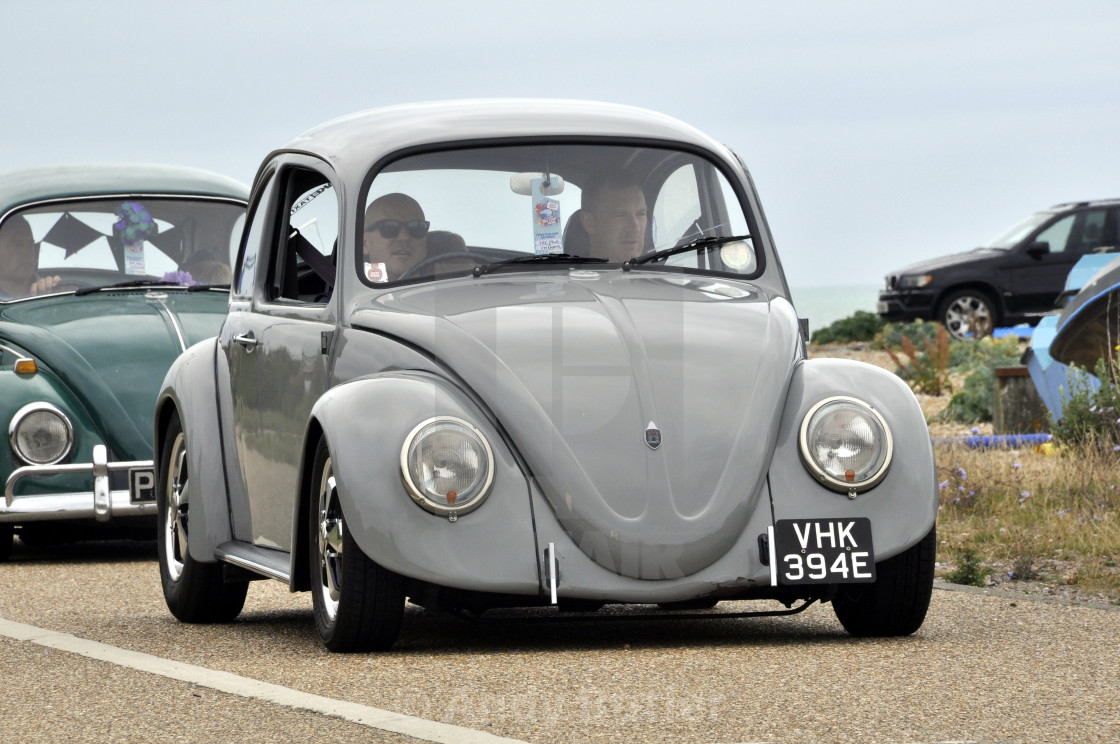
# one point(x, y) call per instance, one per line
point(447, 466)
point(846, 444)
point(40, 434)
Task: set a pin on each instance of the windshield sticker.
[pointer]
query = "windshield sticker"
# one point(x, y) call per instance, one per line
point(375, 272)
point(546, 221)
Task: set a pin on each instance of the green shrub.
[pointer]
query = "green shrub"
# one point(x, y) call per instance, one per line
point(918, 331)
point(975, 401)
point(1090, 418)
point(969, 571)
point(861, 326)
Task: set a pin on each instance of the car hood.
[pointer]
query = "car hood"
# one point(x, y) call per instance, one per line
point(578, 366)
point(111, 349)
point(955, 259)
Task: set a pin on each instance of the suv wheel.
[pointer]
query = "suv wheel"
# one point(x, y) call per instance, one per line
point(967, 313)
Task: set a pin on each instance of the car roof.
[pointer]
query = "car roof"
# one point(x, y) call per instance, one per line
point(27, 185)
point(1082, 204)
point(354, 142)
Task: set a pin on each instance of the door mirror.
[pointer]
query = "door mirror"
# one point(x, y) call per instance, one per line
point(1038, 248)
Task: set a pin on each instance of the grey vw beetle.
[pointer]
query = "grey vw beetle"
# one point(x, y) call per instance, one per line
point(528, 353)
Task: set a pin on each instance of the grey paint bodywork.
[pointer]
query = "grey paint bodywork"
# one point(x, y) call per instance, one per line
point(555, 367)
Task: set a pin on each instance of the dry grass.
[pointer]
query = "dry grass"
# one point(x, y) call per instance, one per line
point(1049, 517)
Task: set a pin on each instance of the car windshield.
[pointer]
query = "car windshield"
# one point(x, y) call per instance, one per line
point(528, 207)
point(82, 245)
point(1014, 236)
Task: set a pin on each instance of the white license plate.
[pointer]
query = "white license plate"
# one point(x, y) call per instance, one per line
point(824, 551)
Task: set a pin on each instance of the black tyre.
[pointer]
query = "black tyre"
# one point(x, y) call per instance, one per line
point(359, 605)
point(195, 592)
point(968, 313)
point(7, 534)
point(896, 604)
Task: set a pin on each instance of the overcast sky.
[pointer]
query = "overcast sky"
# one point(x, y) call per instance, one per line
point(878, 133)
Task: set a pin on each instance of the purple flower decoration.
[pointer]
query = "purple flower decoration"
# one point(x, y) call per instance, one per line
point(179, 277)
point(134, 223)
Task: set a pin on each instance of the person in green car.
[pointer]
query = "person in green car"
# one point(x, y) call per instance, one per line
point(19, 262)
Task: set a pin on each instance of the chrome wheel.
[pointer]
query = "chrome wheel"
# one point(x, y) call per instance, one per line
point(174, 535)
point(968, 315)
point(330, 531)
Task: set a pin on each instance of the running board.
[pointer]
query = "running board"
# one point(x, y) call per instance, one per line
point(275, 564)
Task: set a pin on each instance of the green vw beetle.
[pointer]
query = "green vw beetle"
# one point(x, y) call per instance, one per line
point(107, 273)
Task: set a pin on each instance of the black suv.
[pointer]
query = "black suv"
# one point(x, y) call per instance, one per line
point(1016, 278)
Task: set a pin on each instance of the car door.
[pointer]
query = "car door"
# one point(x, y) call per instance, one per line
point(1038, 276)
point(277, 351)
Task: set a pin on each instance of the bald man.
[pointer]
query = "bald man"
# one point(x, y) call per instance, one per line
point(396, 236)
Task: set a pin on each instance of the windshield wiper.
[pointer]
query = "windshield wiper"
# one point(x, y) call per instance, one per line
point(539, 258)
point(711, 240)
point(204, 287)
point(126, 285)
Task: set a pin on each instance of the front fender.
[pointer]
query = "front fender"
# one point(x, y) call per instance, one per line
point(902, 508)
point(365, 422)
point(189, 389)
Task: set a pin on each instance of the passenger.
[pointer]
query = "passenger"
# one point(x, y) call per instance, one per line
point(396, 237)
point(210, 272)
point(19, 262)
point(614, 215)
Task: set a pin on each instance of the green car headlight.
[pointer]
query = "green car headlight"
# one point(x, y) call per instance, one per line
point(40, 434)
point(447, 466)
point(846, 444)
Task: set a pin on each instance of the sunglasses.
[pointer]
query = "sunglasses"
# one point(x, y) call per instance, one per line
point(392, 228)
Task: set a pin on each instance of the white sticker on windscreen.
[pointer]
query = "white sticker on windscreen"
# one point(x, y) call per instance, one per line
point(547, 233)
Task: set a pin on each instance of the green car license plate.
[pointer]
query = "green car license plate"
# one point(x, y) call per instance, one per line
point(141, 485)
point(823, 551)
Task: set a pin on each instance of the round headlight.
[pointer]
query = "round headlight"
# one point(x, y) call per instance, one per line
point(846, 444)
point(40, 434)
point(447, 465)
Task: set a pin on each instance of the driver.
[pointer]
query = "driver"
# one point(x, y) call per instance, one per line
point(396, 237)
point(614, 214)
point(19, 262)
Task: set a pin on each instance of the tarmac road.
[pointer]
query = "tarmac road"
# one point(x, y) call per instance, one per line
point(88, 652)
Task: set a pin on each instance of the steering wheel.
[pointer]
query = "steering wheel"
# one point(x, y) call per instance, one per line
point(478, 259)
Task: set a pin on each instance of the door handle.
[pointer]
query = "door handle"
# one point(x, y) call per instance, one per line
point(248, 340)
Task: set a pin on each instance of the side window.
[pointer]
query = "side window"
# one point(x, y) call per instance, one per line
point(251, 252)
point(304, 251)
point(1090, 236)
point(1057, 235)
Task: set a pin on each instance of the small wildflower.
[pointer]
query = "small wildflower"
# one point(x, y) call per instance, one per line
point(1016, 465)
point(960, 488)
point(1096, 518)
point(962, 474)
point(1024, 495)
point(1010, 575)
point(976, 430)
point(1063, 512)
point(943, 485)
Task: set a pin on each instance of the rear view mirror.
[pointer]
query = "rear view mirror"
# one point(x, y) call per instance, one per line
point(522, 183)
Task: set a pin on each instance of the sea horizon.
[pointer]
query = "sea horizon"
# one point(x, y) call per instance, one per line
point(823, 305)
